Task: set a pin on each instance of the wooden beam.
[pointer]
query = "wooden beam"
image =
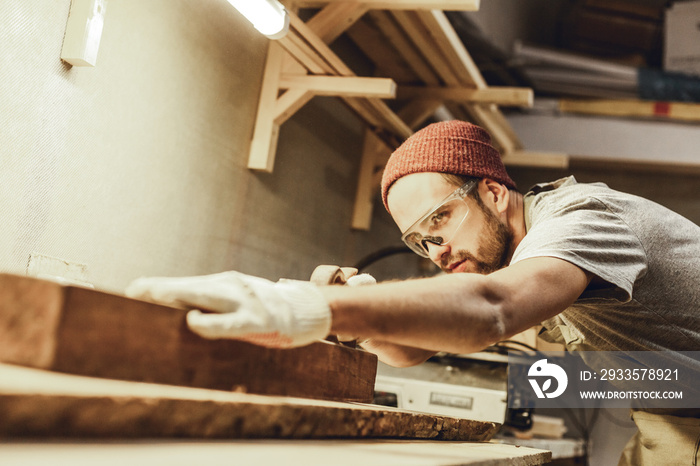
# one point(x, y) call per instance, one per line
point(364, 195)
point(452, 48)
point(375, 112)
point(347, 86)
point(633, 108)
point(81, 331)
point(400, 41)
point(289, 103)
point(375, 155)
point(502, 134)
point(264, 143)
point(453, 5)
point(304, 54)
point(319, 47)
point(507, 96)
point(634, 165)
point(425, 43)
point(536, 159)
point(436, 33)
point(375, 45)
point(311, 52)
point(336, 18)
point(415, 112)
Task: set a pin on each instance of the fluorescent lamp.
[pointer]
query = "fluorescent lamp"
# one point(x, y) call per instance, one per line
point(267, 16)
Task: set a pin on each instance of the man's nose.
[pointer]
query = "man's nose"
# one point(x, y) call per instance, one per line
point(437, 251)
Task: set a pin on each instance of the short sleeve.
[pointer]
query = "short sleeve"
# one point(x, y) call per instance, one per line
point(586, 233)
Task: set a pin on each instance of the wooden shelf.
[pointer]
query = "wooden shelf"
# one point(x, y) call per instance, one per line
point(419, 59)
point(681, 111)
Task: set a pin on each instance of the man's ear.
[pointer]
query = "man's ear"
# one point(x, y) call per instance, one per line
point(495, 192)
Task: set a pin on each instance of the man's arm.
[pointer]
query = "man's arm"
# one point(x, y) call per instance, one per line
point(397, 355)
point(459, 313)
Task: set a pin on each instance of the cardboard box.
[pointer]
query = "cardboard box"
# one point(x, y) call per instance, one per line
point(682, 38)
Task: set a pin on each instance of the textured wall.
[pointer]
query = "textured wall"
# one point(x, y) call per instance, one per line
point(137, 166)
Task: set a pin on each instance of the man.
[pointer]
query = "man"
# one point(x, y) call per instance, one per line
point(601, 270)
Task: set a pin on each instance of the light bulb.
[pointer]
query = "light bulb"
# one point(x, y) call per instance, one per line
point(267, 16)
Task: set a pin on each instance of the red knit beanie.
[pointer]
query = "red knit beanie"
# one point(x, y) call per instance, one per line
point(452, 147)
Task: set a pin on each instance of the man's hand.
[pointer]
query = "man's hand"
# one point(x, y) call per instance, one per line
point(285, 314)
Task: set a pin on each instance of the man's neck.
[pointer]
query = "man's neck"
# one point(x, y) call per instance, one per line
point(516, 218)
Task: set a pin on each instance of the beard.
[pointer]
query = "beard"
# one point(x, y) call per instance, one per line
point(494, 251)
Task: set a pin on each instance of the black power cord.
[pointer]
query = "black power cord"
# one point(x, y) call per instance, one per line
point(373, 257)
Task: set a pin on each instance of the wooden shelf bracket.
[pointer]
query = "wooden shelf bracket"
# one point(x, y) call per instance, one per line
point(433, 70)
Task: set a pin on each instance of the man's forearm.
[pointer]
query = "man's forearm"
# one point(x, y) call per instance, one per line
point(446, 313)
point(459, 313)
point(397, 355)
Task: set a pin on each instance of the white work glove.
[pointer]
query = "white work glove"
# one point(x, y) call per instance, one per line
point(361, 279)
point(285, 314)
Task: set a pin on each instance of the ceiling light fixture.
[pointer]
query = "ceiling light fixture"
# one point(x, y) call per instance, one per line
point(267, 16)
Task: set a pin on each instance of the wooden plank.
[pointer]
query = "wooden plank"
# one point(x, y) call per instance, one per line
point(425, 43)
point(416, 112)
point(375, 45)
point(536, 159)
point(499, 120)
point(452, 48)
point(464, 72)
point(490, 118)
point(632, 108)
point(26, 452)
point(507, 96)
point(364, 195)
point(348, 86)
point(41, 403)
point(374, 157)
point(289, 103)
point(264, 143)
point(375, 112)
point(335, 18)
point(304, 54)
point(319, 47)
point(82, 331)
point(403, 45)
point(634, 165)
point(450, 5)
point(558, 59)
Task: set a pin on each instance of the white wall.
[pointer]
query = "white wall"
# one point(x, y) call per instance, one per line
point(138, 166)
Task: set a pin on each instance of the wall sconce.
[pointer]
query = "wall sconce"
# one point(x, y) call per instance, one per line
point(267, 16)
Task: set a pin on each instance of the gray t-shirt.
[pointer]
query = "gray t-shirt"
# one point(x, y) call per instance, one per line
point(647, 259)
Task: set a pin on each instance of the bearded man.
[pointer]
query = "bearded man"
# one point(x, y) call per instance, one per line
point(601, 270)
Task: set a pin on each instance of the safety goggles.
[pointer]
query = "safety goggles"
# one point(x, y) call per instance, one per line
point(440, 225)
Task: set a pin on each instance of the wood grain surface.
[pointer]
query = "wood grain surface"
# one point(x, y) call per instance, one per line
point(35, 402)
point(81, 331)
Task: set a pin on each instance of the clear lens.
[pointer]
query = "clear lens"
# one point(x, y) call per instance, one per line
point(440, 224)
point(437, 227)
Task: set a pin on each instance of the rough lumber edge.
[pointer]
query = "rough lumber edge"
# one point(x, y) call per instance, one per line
point(40, 403)
point(28, 335)
point(87, 332)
